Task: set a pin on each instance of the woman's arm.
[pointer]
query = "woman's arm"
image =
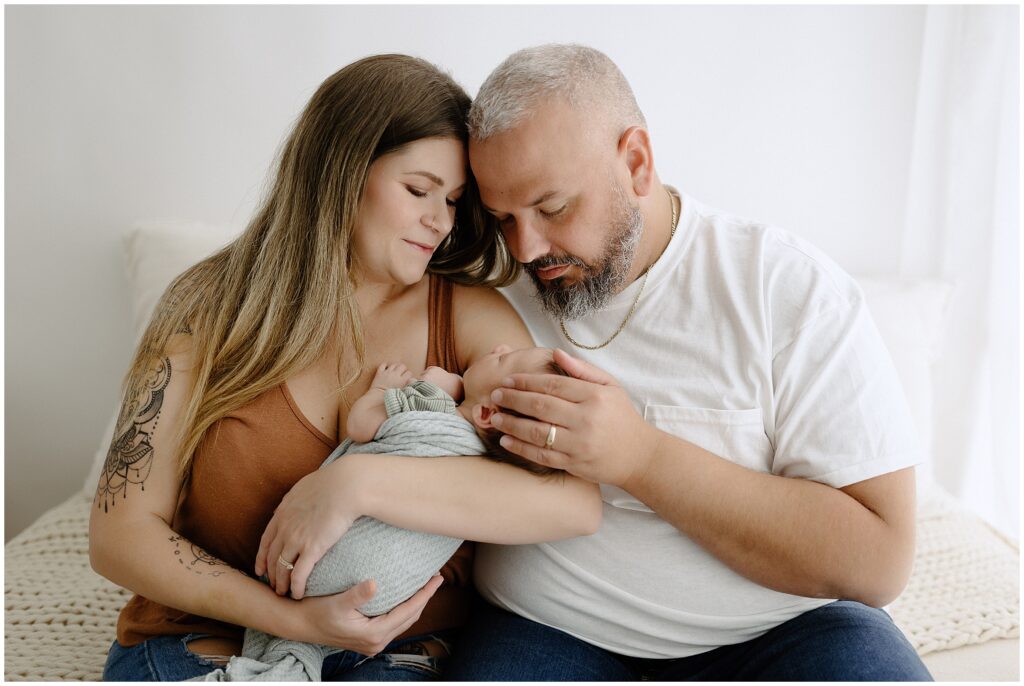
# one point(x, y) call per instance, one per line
point(471, 498)
point(132, 543)
point(463, 497)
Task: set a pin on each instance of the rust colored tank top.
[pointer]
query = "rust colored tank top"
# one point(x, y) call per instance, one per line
point(246, 464)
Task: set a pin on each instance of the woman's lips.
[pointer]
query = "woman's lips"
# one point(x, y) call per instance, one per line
point(550, 273)
point(422, 247)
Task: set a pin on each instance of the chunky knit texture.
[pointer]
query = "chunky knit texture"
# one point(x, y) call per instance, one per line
point(965, 587)
point(60, 615)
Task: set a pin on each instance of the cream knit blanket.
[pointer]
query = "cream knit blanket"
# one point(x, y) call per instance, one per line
point(60, 615)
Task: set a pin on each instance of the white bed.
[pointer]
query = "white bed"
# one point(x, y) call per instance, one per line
point(960, 609)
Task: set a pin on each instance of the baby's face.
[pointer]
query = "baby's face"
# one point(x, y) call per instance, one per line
point(487, 373)
point(445, 380)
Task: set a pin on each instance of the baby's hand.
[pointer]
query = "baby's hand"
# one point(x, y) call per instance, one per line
point(391, 375)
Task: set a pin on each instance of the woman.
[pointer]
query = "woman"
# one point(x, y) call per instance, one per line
point(243, 379)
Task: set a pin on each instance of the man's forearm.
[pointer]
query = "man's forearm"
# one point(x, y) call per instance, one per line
point(791, 535)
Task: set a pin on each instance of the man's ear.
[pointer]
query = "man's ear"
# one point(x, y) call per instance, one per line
point(635, 149)
point(482, 415)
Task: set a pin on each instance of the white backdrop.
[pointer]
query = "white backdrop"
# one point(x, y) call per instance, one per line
point(803, 116)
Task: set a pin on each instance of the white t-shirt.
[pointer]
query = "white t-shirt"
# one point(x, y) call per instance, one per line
point(753, 345)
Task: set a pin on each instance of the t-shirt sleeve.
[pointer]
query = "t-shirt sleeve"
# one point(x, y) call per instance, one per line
point(841, 414)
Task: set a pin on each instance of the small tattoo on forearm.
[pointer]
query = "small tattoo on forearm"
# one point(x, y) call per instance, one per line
point(130, 457)
point(193, 558)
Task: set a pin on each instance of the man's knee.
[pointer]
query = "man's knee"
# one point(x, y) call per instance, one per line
point(843, 641)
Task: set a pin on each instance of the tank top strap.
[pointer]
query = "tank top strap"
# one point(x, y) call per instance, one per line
point(441, 327)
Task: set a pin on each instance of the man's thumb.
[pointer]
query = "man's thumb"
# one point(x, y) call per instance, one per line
point(579, 369)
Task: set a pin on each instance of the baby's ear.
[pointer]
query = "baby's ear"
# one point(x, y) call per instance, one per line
point(482, 415)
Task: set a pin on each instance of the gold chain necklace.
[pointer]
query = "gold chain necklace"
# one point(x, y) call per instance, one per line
point(636, 300)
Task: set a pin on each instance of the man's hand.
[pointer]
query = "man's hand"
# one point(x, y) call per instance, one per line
point(598, 434)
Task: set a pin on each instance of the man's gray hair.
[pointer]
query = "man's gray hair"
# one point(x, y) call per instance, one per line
point(585, 77)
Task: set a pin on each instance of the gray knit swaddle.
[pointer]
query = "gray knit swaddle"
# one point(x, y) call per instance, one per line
point(399, 560)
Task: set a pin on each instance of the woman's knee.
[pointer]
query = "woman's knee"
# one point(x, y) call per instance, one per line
point(164, 658)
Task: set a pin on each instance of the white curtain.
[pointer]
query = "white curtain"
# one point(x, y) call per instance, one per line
point(962, 225)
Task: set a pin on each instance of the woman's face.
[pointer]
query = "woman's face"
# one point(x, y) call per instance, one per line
point(407, 209)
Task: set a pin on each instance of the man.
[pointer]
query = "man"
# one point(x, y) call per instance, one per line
point(756, 461)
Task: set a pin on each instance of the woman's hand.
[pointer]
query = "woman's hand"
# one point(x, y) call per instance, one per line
point(598, 434)
point(311, 517)
point(336, 620)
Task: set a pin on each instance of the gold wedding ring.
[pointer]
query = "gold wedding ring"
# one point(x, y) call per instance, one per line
point(550, 440)
point(285, 563)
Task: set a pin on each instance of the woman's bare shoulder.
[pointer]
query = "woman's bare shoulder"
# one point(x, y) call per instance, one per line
point(483, 297)
point(484, 319)
point(180, 350)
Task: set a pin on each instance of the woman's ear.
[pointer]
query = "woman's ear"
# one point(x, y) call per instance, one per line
point(482, 415)
point(635, 150)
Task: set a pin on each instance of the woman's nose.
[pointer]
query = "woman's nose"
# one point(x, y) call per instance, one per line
point(442, 219)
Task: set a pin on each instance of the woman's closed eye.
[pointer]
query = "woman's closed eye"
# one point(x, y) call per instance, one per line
point(451, 202)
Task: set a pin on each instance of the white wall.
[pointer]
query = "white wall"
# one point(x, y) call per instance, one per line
point(797, 115)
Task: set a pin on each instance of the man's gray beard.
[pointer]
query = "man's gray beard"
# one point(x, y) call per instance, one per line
point(598, 284)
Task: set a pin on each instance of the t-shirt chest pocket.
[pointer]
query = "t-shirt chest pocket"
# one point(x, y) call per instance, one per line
point(735, 435)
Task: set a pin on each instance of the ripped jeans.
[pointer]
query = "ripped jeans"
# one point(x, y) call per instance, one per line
point(167, 658)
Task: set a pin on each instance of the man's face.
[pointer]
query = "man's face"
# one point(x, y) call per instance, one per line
point(560, 192)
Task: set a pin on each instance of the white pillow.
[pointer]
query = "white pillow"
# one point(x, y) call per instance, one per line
point(154, 253)
point(911, 316)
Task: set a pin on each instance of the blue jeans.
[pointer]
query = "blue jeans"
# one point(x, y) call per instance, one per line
point(167, 658)
point(841, 641)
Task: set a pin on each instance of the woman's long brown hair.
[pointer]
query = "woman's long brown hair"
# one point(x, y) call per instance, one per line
point(268, 305)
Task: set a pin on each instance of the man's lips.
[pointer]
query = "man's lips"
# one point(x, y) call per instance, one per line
point(428, 249)
point(550, 273)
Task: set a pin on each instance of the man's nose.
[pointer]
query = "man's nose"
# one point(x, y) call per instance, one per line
point(526, 242)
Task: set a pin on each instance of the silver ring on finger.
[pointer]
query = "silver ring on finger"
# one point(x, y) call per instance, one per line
point(285, 563)
point(550, 440)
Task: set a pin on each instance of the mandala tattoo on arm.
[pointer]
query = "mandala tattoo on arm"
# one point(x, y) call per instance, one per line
point(130, 457)
point(195, 557)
